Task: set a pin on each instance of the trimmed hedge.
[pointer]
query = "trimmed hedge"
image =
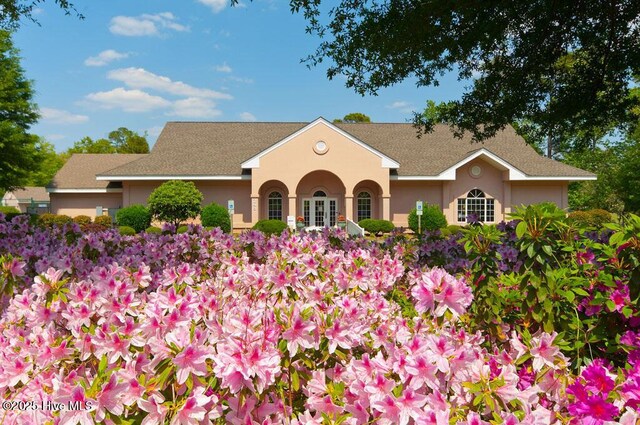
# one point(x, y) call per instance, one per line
point(127, 230)
point(215, 215)
point(82, 220)
point(9, 210)
point(432, 218)
point(104, 220)
point(270, 227)
point(154, 230)
point(374, 226)
point(590, 218)
point(136, 216)
point(182, 229)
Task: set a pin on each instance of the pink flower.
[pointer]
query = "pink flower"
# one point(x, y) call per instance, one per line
point(191, 360)
point(82, 415)
point(593, 410)
point(543, 350)
point(299, 335)
point(157, 411)
point(192, 411)
point(110, 398)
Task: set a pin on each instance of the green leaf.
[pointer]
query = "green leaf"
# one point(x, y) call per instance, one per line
point(521, 228)
point(295, 380)
point(548, 250)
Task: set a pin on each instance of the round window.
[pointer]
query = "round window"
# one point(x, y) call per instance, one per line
point(475, 171)
point(320, 147)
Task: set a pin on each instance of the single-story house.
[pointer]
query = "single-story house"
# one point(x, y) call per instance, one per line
point(319, 170)
point(29, 199)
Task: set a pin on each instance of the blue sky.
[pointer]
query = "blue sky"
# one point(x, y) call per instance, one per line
point(139, 64)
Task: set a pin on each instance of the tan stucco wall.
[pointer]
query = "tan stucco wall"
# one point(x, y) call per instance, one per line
point(74, 204)
point(137, 192)
point(342, 167)
point(526, 193)
point(404, 195)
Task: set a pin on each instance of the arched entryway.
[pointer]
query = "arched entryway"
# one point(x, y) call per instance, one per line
point(366, 200)
point(274, 201)
point(320, 197)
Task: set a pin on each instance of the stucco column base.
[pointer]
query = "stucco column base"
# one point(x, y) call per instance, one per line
point(348, 207)
point(386, 208)
point(292, 206)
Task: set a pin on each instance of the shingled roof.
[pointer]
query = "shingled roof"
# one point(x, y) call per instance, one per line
point(218, 149)
point(79, 172)
point(31, 192)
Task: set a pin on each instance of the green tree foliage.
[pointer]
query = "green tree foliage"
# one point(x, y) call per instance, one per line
point(215, 215)
point(121, 140)
point(12, 10)
point(628, 176)
point(175, 201)
point(353, 117)
point(560, 65)
point(432, 218)
point(49, 165)
point(19, 153)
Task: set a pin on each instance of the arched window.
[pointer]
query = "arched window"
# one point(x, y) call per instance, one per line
point(364, 205)
point(274, 208)
point(319, 194)
point(476, 204)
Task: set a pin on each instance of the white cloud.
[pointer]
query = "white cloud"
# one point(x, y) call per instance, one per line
point(247, 116)
point(105, 57)
point(239, 79)
point(216, 6)
point(59, 116)
point(145, 25)
point(140, 78)
point(127, 100)
point(401, 106)
point(223, 68)
point(194, 107)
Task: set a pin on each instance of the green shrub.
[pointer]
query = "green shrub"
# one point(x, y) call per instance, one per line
point(62, 219)
point(215, 215)
point(47, 219)
point(175, 201)
point(270, 227)
point(154, 230)
point(451, 229)
point(182, 229)
point(103, 220)
point(432, 218)
point(9, 210)
point(374, 226)
point(126, 230)
point(579, 218)
point(82, 220)
point(136, 216)
point(599, 217)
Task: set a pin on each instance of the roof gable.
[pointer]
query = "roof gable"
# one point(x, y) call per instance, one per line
point(254, 161)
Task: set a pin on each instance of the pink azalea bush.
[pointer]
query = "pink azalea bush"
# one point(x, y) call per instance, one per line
point(202, 328)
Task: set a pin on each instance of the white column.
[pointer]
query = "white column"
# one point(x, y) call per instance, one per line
point(292, 206)
point(348, 207)
point(255, 209)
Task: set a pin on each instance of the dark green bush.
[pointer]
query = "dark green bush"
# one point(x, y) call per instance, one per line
point(270, 227)
point(82, 220)
point(126, 230)
point(432, 218)
point(374, 226)
point(136, 216)
point(215, 215)
point(154, 230)
point(103, 220)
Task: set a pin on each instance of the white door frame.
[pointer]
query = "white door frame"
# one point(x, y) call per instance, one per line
point(312, 209)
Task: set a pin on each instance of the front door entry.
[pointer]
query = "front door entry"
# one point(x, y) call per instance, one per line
point(320, 211)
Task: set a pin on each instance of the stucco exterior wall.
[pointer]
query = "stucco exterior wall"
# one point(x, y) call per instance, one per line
point(526, 193)
point(404, 195)
point(340, 168)
point(74, 204)
point(137, 192)
point(10, 200)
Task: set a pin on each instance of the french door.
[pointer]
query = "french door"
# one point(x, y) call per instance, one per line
point(320, 211)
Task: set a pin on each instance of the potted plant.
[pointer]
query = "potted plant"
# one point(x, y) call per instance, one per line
point(342, 221)
point(300, 222)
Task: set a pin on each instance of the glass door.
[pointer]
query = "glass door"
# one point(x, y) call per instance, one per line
point(320, 211)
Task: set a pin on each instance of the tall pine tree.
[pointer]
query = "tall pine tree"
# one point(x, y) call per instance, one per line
point(19, 150)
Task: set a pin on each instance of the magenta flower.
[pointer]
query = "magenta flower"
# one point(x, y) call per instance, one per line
point(593, 410)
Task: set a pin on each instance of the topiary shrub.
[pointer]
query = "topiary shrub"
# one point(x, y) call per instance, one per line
point(154, 230)
point(82, 220)
point(136, 216)
point(432, 218)
point(47, 219)
point(599, 217)
point(182, 229)
point(215, 215)
point(270, 227)
point(451, 229)
point(175, 201)
point(127, 230)
point(580, 218)
point(62, 219)
point(93, 227)
point(375, 226)
point(104, 220)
